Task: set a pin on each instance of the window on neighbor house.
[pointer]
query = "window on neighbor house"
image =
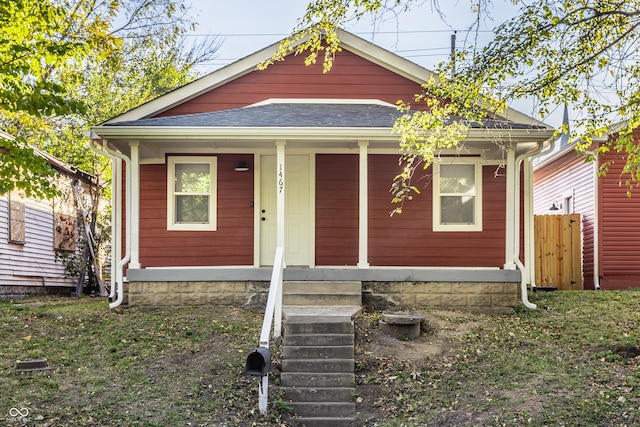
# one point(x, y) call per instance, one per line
point(16, 218)
point(567, 205)
point(191, 198)
point(457, 202)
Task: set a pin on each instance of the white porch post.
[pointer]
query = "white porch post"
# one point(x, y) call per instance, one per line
point(280, 191)
point(528, 222)
point(135, 204)
point(510, 215)
point(363, 232)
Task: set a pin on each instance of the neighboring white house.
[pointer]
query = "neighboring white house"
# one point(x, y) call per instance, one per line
point(35, 233)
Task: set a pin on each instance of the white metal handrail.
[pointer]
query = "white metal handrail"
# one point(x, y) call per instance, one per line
point(272, 315)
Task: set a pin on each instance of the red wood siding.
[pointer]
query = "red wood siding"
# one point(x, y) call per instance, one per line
point(620, 236)
point(230, 244)
point(350, 77)
point(408, 240)
point(336, 210)
point(570, 173)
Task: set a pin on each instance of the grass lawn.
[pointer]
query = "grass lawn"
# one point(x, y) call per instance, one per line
point(572, 362)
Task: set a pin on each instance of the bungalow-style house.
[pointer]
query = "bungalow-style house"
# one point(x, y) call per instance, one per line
point(36, 234)
point(567, 184)
point(220, 172)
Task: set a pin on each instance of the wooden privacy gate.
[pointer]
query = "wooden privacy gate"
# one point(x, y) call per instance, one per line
point(558, 251)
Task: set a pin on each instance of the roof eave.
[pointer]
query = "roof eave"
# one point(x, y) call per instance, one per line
point(152, 132)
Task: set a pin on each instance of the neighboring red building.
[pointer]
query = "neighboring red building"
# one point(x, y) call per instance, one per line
point(208, 186)
point(610, 240)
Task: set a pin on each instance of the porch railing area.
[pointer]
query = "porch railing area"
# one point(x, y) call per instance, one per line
point(272, 317)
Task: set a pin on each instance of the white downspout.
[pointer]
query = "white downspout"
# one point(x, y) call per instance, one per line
point(516, 232)
point(127, 257)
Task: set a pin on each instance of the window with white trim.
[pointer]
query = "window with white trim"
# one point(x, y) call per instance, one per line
point(457, 197)
point(191, 198)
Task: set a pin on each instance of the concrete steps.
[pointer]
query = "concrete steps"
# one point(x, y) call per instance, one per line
point(316, 293)
point(318, 365)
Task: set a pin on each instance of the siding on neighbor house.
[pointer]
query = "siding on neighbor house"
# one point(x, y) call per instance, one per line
point(569, 174)
point(230, 244)
point(33, 263)
point(619, 234)
point(351, 77)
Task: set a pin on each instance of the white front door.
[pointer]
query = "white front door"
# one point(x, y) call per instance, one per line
point(297, 219)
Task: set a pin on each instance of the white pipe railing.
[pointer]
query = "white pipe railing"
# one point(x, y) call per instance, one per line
point(272, 315)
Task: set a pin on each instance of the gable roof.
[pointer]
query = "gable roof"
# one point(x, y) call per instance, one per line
point(348, 41)
point(56, 163)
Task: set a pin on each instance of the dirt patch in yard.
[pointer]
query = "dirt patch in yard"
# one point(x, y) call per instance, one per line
point(421, 379)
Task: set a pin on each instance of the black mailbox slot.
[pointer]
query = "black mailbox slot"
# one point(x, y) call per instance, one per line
point(258, 362)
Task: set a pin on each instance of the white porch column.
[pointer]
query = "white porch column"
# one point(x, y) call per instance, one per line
point(510, 214)
point(135, 204)
point(529, 248)
point(363, 213)
point(280, 191)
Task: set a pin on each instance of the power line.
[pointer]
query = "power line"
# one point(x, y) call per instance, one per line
point(356, 33)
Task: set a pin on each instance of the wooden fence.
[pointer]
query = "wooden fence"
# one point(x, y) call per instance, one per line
point(558, 251)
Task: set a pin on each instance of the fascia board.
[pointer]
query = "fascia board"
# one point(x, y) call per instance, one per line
point(142, 132)
point(152, 132)
point(5, 135)
point(516, 116)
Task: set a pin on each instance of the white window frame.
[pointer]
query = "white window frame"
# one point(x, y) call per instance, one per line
point(212, 161)
point(437, 223)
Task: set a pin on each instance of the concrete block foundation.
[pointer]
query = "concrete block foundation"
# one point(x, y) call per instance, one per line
point(252, 295)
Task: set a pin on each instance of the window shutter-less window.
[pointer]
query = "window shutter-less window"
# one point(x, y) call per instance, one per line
point(16, 218)
point(457, 197)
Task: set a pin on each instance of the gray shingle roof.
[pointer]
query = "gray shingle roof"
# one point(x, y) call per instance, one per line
point(299, 115)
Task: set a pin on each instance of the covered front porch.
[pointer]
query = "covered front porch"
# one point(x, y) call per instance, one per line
point(336, 181)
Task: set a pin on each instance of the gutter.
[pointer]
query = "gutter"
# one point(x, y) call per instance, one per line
point(290, 132)
point(516, 232)
point(117, 216)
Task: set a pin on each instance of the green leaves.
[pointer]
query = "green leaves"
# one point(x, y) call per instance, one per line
point(576, 52)
point(21, 168)
point(34, 47)
point(68, 64)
